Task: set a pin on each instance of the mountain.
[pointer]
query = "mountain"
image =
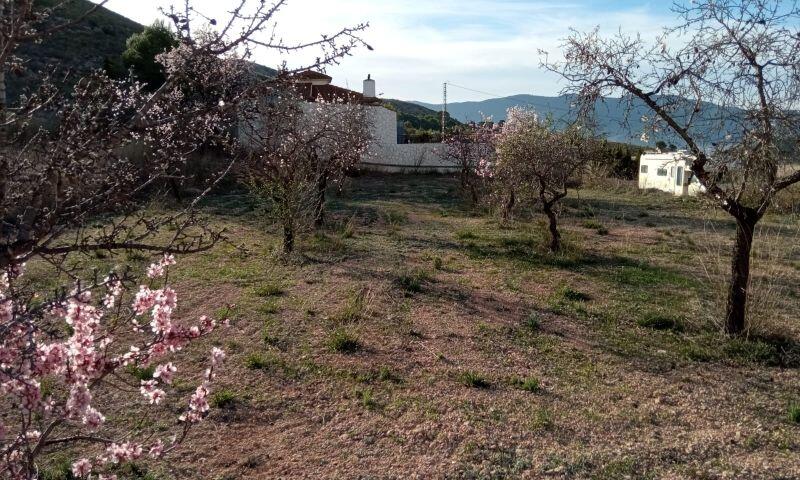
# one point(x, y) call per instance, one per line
point(85, 46)
point(615, 119)
point(77, 50)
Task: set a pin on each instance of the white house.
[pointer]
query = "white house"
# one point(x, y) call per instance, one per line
point(668, 172)
point(385, 154)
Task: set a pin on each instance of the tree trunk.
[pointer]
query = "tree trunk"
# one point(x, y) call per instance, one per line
point(288, 238)
point(555, 236)
point(509, 206)
point(3, 133)
point(319, 208)
point(735, 314)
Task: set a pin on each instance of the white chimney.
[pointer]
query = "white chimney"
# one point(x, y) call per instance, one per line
point(369, 87)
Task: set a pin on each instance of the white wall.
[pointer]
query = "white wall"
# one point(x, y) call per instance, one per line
point(386, 155)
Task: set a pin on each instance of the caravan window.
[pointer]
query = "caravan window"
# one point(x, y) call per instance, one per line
point(661, 172)
point(643, 169)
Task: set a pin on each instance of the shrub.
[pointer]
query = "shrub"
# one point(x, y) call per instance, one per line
point(343, 341)
point(473, 380)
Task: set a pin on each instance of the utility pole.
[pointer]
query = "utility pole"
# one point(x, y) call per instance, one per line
point(444, 107)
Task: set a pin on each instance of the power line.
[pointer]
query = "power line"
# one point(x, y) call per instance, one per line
point(495, 95)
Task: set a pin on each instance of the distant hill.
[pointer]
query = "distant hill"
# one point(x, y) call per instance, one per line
point(77, 50)
point(611, 115)
point(83, 47)
point(412, 108)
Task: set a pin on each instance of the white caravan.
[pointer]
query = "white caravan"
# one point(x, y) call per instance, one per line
point(669, 172)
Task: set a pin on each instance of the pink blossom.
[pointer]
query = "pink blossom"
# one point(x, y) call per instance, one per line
point(144, 300)
point(157, 449)
point(217, 356)
point(82, 468)
point(150, 392)
point(165, 372)
point(123, 452)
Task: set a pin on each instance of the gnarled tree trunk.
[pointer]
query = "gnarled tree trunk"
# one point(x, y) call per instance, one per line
point(508, 207)
point(288, 237)
point(555, 236)
point(736, 308)
point(319, 207)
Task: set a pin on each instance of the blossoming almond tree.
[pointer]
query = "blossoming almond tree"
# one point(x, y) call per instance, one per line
point(293, 150)
point(77, 344)
point(472, 149)
point(536, 162)
point(70, 189)
point(725, 82)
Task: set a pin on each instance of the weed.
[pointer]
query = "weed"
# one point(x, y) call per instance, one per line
point(269, 289)
point(466, 235)
point(224, 398)
point(412, 280)
point(256, 361)
point(794, 412)
point(473, 380)
point(532, 322)
point(438, 263)
point(141, 373)
point(343, 341)
point(660, 322)
point(542, 419)
point(752, 351)
point(366, 398)
point(354, 307)
point(593, 225)
point(569, 294)
point(529, 384)
point(269, 307)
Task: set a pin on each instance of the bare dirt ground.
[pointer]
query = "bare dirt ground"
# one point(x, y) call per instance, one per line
point(417, 339)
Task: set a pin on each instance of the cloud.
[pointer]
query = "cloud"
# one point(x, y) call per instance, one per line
point(487, 45)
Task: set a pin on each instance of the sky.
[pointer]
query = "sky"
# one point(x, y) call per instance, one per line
point(486, 45)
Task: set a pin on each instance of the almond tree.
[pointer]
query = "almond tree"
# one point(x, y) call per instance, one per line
point(293, 149)
point(471, 148)
point(71, 188)
point(726, 82)
point(536, 162)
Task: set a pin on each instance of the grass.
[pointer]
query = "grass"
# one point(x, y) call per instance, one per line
point(224, 398)
point(661, 322)
point(429, 325)
point(269, 289)
point(794, 412)
point(473, 379)
point(343, 341)
point(412, 281)
point(531, 385)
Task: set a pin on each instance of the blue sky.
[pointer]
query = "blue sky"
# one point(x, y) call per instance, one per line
point(486, 45)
